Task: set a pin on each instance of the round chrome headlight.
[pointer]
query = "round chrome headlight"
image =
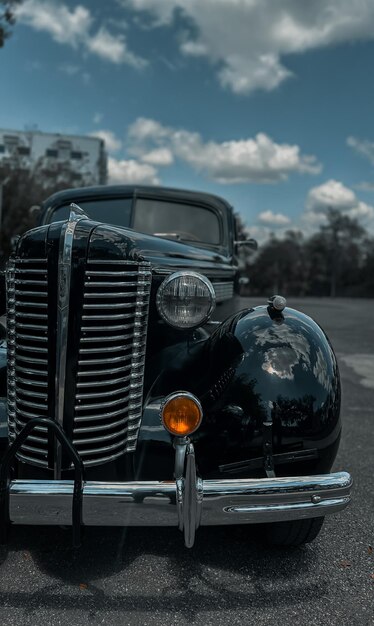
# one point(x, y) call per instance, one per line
point(186, 299)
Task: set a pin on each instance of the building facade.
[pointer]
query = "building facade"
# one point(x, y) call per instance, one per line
point(83, 157)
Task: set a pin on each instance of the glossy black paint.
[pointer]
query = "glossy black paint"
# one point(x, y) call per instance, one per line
point(254, 367)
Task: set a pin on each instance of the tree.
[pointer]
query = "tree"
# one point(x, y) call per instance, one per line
point(335, 255)
point(279, 266)
point(7, 18)
point(367, 273)
point(25, 186)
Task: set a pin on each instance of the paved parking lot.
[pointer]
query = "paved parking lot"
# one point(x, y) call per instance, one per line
point(146, 576)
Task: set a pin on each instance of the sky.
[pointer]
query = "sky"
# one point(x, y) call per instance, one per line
point(268, 103)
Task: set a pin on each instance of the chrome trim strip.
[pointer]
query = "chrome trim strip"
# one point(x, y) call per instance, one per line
point(103, 383)
point(109, 273)
point(115, 305)
point(108, 317)
point(151, 503)
point(109, 283)
point(105, 328)
point(113, 370)
point(26, 261)
point(102, 405)
point(223, 290)
point(64, 273)
point(114, 294)
point(102, 394)
point(94, 349)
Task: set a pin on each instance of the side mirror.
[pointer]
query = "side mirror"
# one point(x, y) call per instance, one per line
point(13, 242)
point(249, 243)
point(34, 211)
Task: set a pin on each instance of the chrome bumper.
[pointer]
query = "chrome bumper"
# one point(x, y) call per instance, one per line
point(187, 502)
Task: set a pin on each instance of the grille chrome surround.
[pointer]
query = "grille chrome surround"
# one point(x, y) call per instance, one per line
point(110, 360)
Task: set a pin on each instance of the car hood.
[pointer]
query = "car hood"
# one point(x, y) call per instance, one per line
point(164, 255)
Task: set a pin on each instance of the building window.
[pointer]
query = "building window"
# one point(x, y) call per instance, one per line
point(23, 151)
point(2, 149)
point(64, 148)
point(11, 142)
point(51, 152)
point(75, 154)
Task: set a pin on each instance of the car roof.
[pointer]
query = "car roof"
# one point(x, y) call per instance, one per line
point(112, 191)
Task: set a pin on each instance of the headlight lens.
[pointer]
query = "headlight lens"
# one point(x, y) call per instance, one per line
point(186, 300)
point(181, 413)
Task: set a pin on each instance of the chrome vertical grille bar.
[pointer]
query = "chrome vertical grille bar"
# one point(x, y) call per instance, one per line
point(64, 275)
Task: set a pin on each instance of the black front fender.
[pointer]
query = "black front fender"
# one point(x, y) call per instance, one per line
point(279, 369)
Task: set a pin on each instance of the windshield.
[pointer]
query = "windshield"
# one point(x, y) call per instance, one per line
point(170, 220)
point(178, 221)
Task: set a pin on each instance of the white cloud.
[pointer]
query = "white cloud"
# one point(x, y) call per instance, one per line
point(64, 25)
point(248, 40)
point(333, 194)
point(194, 48)
point(262, 233)
point(74, 28)
point(363, 147)
point(113, 48)
point(243, 75)
point(257, 159)
point(159, 156)
point(273, 219)
point(131, 172)
point(112, 143)
point(145, 129)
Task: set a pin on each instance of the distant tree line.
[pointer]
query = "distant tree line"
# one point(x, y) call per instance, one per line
point(337, 260)
point(24, 188)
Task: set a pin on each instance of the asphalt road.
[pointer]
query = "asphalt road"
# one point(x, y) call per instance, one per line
point(146, 576)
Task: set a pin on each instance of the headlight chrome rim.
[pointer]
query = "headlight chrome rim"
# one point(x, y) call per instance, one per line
point(184, 274)
point(175, 395)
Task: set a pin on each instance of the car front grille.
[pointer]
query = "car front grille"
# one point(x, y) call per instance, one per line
point(108, 405)
point(106, 356)
point(28, 353)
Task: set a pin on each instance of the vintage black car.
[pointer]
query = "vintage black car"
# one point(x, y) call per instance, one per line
point(128, 401)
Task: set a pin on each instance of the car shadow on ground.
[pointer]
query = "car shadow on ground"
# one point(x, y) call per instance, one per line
point(254, 575)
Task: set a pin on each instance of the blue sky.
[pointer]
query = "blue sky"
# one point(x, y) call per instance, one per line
point(268, 103)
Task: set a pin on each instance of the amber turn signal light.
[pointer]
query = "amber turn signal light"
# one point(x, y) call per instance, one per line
point(181, 413)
